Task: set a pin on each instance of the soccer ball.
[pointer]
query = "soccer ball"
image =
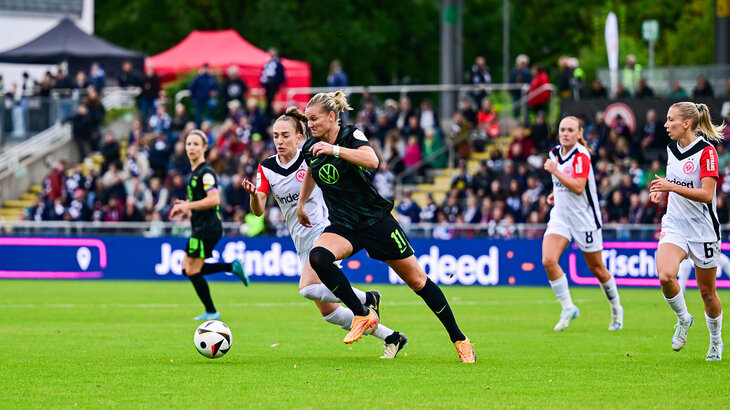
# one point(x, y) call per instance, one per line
point(213, 339)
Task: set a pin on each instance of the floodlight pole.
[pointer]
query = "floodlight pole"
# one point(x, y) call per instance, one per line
point(451, 61)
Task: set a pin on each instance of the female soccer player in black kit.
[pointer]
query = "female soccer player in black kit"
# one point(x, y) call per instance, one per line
point(204, 202)
point(360, 219)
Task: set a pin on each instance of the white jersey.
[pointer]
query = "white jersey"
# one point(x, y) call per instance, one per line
point(697, 221)
point(285, 181)
point(580, 212)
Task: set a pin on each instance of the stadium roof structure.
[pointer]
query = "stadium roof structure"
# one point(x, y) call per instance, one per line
point(68, 43)
point(222, 49)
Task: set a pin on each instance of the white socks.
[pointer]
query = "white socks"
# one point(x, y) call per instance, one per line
point(319, 291)
point(685, 268)
point(609, 288)
point(342, 317)
point(679, 307)
point(560, 287)
point(715, 328)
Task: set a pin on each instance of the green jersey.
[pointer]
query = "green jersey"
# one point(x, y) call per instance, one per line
point(206, 223)
point(351, 197)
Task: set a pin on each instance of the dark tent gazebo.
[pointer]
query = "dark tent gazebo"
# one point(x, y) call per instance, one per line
point(68, 43)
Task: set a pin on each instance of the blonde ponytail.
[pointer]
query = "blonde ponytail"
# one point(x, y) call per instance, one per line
point(699, 116)
point(335, 102)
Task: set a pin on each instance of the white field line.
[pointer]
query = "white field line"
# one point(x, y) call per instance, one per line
point(262, 304)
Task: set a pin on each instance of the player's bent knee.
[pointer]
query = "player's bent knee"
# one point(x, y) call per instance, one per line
point(309, 292)
point(320, 258)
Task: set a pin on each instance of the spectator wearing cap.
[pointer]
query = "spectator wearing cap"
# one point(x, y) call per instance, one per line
point(203, 92)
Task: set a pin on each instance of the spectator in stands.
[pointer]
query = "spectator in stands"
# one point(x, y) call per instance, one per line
point(621, 92)
point(463, 180)
point(179, 120)
point(112, 212)
point(451, 208)
point(234, 88)
point(138, 191)
point(110, 152)
point(488, 124)
point(413, 128)
point(272, 77)
point(429, 211)
point(539, 95)
point(412, 156)
point(520, 75)
point(179, 158)
point(636, 210)
point(631, 73)
point(256, 118)
point(643, 90)
point(471, 213)
point(405, 111)
point(58, 210)
point(131, 212)
point(55, 181)
point(481, 77)
point(565, 77)
point(160, 196)
point(598, 90)
point(539, 131)
point(160, 121)
point(46, 85)
point(703, 88)
point(428, 119)
point(467, 111)
point(432, 143)
point(37, 212)
point(407, 210)
point(652, 134)
point(520, 147)
point(482, 179)
point(337, 78)
point(150, 83)
point(178, 189)
point(159, 154)
point(236, 198)
point(384, 181)
point(129, 77)
point(723, 155)
point(96, 116)
point(676, 91)
point(79, 86)
point(136, 163)
point(203, 93)
point(75, 179)
point(97, 76)
point(62, 82)
point(235, 111)
point(113, 181)
point(81, 129)
point(618, 210)
point(444, 228)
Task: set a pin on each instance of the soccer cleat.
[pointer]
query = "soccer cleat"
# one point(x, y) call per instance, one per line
point(392, 347)
point(680, 335)
point(237, 270)
point(565, 317)
point(208, 316)
point(715, 352)
point(360, 324)
point(375, 305)
point(617, 318)
point(466, 351)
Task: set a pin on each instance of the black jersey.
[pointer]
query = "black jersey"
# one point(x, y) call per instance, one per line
point(351, 198)
point(206, 223)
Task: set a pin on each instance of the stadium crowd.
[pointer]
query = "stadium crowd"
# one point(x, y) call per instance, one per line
point(140, 174)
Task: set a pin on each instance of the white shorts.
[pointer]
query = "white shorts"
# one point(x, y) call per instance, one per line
point(587, 241)
point(704, 254)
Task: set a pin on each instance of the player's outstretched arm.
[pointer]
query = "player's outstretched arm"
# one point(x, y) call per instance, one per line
point(362, 156)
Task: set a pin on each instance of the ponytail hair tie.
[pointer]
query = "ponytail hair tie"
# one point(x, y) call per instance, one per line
point(699, 107)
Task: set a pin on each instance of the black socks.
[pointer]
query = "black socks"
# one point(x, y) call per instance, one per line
point(436, 301)
point(209, 268)
point(322, 261)
point(201, 288)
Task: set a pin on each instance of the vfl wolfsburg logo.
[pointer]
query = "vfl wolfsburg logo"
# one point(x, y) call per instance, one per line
point(329, 174)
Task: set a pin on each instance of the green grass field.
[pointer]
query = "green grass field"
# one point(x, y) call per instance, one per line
point(129, 345)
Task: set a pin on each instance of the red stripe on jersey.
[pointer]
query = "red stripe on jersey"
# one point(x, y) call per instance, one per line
point(708, 163)
point(262, 184)
point(581, 166)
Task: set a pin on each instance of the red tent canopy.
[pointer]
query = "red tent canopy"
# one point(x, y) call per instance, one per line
point(221, 49)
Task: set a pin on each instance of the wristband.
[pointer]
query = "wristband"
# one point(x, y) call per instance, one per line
point(336, 151)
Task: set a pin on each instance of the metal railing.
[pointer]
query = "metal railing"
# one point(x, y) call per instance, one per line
point(36, 145)
point(496, 230)
point(660, 79)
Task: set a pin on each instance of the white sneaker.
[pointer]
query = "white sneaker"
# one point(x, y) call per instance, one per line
point(565, 317)
point(680, 335)
point(617, 318)
point(715, 352)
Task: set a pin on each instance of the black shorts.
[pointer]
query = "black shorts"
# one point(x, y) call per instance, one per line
point(383, 240)
point(201, 247)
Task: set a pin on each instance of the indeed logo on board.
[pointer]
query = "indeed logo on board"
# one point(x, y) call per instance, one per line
point(463, 270)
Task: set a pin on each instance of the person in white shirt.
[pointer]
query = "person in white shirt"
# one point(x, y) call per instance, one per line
point(575, 216)
point(690, 228)
point(281, 175)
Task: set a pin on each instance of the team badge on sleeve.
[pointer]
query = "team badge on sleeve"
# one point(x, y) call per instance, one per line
point(359, 135)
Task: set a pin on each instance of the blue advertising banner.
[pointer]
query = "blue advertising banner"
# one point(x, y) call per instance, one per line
point(454, 262)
